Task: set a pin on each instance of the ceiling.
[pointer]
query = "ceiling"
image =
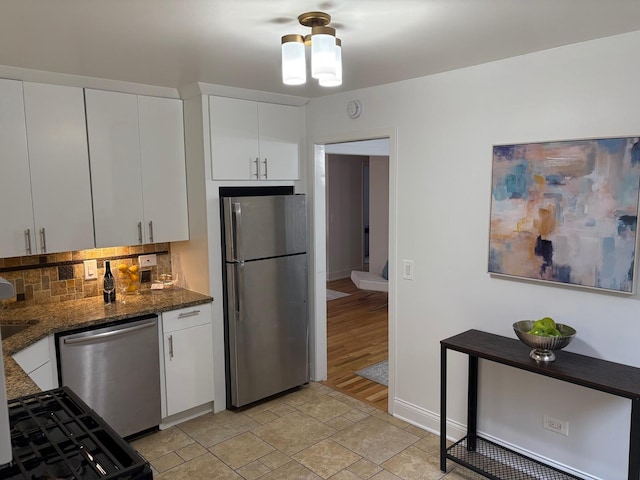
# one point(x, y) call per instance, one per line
point(174, 43)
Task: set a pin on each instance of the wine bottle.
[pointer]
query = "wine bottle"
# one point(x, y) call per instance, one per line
point(108, 284)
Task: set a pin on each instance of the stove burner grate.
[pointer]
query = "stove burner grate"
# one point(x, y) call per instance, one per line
point(55, 435)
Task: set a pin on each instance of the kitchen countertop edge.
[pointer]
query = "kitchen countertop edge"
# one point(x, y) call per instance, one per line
point(52, 318)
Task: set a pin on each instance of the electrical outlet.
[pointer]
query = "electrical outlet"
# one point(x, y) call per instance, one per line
point(145, 276)
point(90, 269)
point(555, 425)
point(147, 260)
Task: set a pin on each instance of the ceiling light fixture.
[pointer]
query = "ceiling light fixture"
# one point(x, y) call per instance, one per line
point(326, 53)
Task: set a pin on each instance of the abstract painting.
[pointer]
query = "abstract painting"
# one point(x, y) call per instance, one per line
point(566, 212)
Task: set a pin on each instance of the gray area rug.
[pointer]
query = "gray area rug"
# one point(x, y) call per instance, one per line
point(378, 373)
point(333, 294)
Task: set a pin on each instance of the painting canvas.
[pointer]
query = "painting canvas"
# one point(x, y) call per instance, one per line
point(566, 212)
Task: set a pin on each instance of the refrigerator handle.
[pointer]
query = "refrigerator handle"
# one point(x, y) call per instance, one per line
point(235, 294)
point(236, 228)
point(239, 290)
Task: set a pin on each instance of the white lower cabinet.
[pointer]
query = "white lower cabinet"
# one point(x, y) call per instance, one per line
point(188, 358)
point(39, 362)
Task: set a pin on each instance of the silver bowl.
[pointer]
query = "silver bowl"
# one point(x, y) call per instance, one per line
point(543, 347)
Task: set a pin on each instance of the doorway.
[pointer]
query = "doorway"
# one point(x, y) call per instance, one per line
point(319, 331)
point(357, 318)
point(347, 214)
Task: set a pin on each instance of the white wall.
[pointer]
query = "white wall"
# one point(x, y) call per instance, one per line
point(345, 234)
point(378, 213)
point(446, 125)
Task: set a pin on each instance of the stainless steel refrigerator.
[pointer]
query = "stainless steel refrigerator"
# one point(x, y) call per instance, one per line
point(266, 295)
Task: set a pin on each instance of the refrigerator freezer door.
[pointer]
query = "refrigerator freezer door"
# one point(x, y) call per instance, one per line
point(269, 332)
point(264, 226)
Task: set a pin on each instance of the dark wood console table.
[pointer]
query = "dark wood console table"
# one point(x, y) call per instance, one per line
point(483, 456)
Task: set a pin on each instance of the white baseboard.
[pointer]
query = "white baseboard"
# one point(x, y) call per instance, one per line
point(186, 415)
point(339, 275)
point(430, 421)
point(427, 420)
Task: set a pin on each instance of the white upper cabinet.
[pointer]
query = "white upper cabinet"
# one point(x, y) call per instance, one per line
point(116, 176)
point(136, 147)
point(253, 140)
point(279, 127)
point(164, 181)
point(59, 162)
point(234, 138)
point(16, 214)
point(45, 181)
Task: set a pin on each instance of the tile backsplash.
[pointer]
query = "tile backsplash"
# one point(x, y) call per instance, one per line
point(59, 277)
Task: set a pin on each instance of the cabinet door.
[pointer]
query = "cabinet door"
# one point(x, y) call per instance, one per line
point(279, 127)
point(164, 183)
point(188, 362)
point(43, 377)
point(16, 215)
point(234, 138)
point(59, 163)
point(38, 361)
point(114, 152)
point(34, 356)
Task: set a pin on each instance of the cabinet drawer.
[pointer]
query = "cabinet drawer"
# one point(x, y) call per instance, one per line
point(186, 317)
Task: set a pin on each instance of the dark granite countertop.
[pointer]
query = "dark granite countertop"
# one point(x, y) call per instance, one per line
point(58, 317)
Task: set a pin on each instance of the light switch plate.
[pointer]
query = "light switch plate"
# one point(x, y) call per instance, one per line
point(90, 269)
point(407, 269)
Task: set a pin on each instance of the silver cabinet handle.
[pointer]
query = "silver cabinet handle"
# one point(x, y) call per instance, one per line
point(170, 346)
point(257, 174)
point(43, 239)
point(27, 239)
point(265, 174)
point(151, 231)
point(112, 333)
point(139, 232)
point(192, 313)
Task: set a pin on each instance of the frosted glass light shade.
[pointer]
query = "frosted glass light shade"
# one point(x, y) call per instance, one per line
point(337, 80)
point(294, 68)
point(323, 52)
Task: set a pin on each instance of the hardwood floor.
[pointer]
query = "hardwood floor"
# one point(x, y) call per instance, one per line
point(357, 337)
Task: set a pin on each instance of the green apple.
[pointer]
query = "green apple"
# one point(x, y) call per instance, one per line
point(554, 332)
point(540, 324)
point(549, 322)
point(541, 332)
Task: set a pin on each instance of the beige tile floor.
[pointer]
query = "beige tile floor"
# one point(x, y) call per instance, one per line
point(312, 433)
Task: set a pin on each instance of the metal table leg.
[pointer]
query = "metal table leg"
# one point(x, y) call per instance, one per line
point(472, 403)
point(634, 440)
point(443, 408)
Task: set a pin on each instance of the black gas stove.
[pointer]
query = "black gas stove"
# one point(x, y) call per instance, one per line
point(55, 435)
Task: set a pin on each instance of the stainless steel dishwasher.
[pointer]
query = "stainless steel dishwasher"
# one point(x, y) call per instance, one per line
point(116, 371)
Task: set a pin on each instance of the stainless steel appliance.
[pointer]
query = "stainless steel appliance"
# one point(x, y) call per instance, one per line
point(55, 435)
point(116, 371)
point(266, 308)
